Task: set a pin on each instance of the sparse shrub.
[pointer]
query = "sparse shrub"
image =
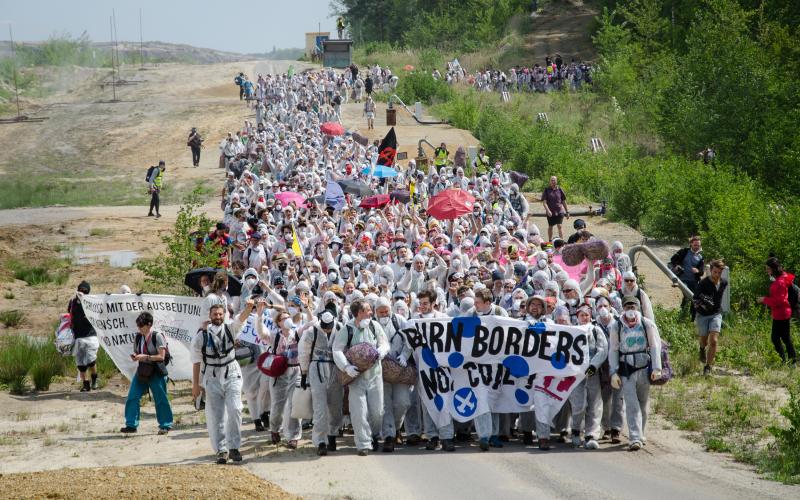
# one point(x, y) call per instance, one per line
point(11, 318)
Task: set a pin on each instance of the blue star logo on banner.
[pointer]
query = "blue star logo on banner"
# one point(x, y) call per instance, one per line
point(465, 402)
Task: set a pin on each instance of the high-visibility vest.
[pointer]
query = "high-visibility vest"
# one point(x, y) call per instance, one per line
point(157, 181)
point(441, 157)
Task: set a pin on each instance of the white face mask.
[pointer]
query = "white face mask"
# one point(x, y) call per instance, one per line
point(333, 276)
point(630, 314)
point(364, 323)
point(603, 312)
point(572, 302)
point(293, 310)
point(251, 282)
point(207, 288)
point(385, 321)
point(314, 276)
point(541, 263)
point(287, 323)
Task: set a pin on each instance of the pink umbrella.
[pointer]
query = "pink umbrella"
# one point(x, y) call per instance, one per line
point(332, 128)
point(286, 197)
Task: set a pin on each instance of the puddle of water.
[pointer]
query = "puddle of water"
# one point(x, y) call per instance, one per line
point(115, 258)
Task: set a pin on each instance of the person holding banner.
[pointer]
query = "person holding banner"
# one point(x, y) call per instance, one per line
point(487, 425)
point(86, 342)
point(634, 352)
point(214, 363)
point(585, 399)
point(149, 350)
point(366, 391)
point(426, 309)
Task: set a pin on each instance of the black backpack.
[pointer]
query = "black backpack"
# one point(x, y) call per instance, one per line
point(149, 173)
point(794, 299)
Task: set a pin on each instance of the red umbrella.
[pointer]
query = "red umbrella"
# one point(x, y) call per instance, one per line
point(332, 128)
point(450, 204)
point(286, 197)
point(376, 201)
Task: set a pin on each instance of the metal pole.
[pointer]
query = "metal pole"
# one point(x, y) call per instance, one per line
point(661, 266)
point(113, 78)
point(14, 70)
point(141, 39)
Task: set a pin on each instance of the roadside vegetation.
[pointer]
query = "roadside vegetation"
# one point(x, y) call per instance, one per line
point(664, 89)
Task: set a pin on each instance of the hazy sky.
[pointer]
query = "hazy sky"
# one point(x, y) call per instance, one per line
point(203, 23)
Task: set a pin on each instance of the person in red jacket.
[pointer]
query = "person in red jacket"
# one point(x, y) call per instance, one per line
point(778, 303)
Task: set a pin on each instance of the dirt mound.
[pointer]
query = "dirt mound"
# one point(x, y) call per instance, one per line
point(184, 481)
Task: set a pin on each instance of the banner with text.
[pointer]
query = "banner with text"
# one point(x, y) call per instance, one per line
point(472, 365)
point(114, 319)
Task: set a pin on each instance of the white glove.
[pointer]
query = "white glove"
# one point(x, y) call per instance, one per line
point(655, 375)
point(351, 371)
point(616, 382)
point(402, 361)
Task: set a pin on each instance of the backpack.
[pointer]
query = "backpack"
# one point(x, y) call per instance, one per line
point(162, 365)
point(794, 299)
point(150, 175)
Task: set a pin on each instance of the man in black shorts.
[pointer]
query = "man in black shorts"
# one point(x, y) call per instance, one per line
point(555, 207)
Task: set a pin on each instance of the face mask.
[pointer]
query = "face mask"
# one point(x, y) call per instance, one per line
point(630, 314)
point(364, 323)
point(207, 288)
point(332, 276)
point(603, 312)
point(384, 321)
point(370, 227)
point(287, 323)
point(314, 276)
point(542, 263)
point(517, 304)
point(251, 282)
point(572, 302)
point(293, 310)
point(385, 258)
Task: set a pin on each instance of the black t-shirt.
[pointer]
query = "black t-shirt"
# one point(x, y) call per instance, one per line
point(80, 324)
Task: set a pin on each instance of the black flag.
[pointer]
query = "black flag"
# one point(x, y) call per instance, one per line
point(388, 149)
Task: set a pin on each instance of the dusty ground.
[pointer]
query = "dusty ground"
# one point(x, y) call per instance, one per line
point(187, 481)
point(65, 429)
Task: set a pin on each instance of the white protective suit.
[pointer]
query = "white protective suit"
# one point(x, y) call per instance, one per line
point(221, 378)
point(366, 391)
point(396, 397)
point(585, 399)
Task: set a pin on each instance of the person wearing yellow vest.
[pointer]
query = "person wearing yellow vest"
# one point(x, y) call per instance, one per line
point(481, 163)
point(156, 182)
point(441, 153)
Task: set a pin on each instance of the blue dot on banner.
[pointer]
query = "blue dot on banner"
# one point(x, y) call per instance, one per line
point(540, 328)
point(521, 396)
point(465, 402)
point(467, 324)
point(429, 358)
point(439, 402)
point(455, 360)
point(558, 360)
point(517, 366)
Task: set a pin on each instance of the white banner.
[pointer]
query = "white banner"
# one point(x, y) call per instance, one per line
point(472, 365)
point(114, 319)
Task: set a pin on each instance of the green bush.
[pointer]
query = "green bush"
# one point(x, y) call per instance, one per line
point(52, 271)
point(421, 86)
point(42, 375)
point(11, 318)
point(785, 459)
point(16, 357)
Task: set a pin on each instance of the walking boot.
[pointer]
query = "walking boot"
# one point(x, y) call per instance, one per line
point(388, 445)
point(331, 443)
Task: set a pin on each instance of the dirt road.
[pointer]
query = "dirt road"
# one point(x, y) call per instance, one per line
point(63, 428)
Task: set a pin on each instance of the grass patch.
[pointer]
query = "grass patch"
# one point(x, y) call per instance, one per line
point(9, 295)
point(21, 358)
point(100, 232)
point(36, 191)
point(50, 271)
point(11, 318)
